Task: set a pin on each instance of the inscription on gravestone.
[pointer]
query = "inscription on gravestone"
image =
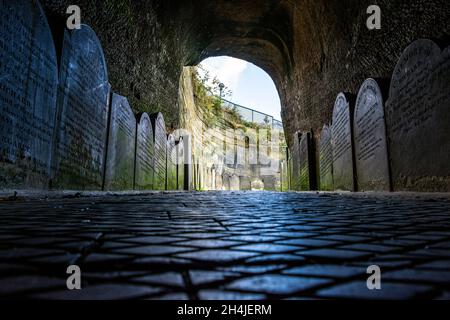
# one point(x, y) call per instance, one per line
point(121, 146)
point(28, 88)
point(418, 118)
point(171, 163)
point(342, 145)
point(83, 101)
point(371, 155)
point(145, 152)
point(160, 143)
point(326, 160)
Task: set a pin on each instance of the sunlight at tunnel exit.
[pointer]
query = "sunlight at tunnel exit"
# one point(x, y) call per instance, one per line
point(251, 86)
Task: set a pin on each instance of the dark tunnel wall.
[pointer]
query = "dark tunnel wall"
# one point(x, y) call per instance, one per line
point(313, 49)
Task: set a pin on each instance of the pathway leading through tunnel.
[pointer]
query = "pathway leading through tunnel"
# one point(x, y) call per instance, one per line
point(226, 245)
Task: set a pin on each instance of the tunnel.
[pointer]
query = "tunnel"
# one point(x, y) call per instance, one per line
point(109, 190)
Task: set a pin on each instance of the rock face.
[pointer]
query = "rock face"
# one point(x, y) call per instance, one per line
point(312, 49)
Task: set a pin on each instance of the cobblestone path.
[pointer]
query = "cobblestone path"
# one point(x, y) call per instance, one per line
point(226, 245)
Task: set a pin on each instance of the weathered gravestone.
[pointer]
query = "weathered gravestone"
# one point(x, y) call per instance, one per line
point(160, 143)
point(219, 181)
point(171, 163)
point(28, 89)
point(295, 162)
point(179, 147)
point(326, 160)
point(83, 102)
point(418, 119)
point(342, 145)
point(145, 154)
point(234, 183)
point(371, 153)
point(245, 183)
point(307, 163)
point(121, 150)
point(226, 182)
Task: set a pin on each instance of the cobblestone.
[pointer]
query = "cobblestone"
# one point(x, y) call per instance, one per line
point(226, 245)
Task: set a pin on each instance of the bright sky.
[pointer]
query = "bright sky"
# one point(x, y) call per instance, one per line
point(251, 86)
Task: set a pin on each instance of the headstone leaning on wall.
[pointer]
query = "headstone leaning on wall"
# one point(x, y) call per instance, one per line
point(418, 119)
point(145, 153)
point(120, 159)
point(28, 89)
point(295, 162)
point(371, 152)
point(171, 163)
point(307, 162)
point(83, 103)
point(342, 144)
point(160, 143)
point(326, 160)
point(180, 169)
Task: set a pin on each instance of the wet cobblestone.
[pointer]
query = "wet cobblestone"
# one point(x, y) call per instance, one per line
point(226, 245)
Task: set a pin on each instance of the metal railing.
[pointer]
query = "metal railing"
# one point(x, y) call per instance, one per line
point(253, 116)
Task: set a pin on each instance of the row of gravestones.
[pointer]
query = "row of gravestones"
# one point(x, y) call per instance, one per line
point(69, 131)
point(396, 140)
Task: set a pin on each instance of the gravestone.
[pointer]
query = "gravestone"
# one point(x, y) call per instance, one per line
point(371, 153)
point(180, 163)
point(245, 183)
point(160, 143)
point(226, 182)
point(295, 161)
point(326, 160)
point(342, 145)
point(171, 163)
point(121, 146)
point(306, 163)
point(145, 153)
point(234, 183)
point(83, 103)
point(28, 90)
point(219, 181)
point(418, 119)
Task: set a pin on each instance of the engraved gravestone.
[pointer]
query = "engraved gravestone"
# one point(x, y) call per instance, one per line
point(326, 160)
point(180, 163)
point(160, 143)
point(171, 163)
point(28, 89)
point(418, 119)
point(371, 155)
point(342, 145)
point(145, 153)
point(83, 103)
point(306, 163)
point(121, 146)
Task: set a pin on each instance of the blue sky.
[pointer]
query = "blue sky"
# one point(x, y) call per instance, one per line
point(251, 86)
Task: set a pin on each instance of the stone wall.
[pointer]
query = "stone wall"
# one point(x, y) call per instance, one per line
point(313, 49)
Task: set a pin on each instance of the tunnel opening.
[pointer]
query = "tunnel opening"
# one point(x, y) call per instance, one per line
point(231, 107)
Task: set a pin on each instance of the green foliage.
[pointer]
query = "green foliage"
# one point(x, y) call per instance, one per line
point(207, 98)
